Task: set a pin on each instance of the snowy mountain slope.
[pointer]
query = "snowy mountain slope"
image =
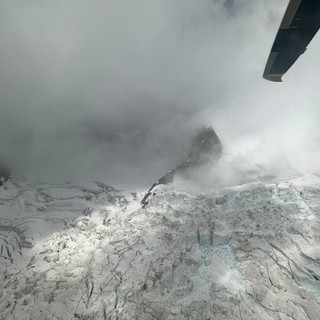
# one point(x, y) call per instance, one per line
point(75, 251)
point(30, 213)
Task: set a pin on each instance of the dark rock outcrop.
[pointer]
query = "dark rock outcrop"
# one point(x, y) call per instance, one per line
point(205, 147)
point(4, 174)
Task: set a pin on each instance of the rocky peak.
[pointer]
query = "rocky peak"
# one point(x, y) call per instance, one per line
point(4, 174)
point(206, 146)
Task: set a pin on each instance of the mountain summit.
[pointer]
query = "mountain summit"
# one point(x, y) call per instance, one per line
point(206, 147)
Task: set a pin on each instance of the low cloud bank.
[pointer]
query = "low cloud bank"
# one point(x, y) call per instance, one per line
point(115, 91)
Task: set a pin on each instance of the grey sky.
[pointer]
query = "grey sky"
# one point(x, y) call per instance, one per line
point(113, 90)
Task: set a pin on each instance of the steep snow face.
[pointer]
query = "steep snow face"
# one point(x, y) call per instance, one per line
point(88, 251)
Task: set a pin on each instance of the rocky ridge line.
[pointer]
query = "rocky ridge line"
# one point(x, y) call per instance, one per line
point(206, 147)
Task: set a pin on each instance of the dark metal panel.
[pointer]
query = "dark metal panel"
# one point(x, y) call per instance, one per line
point(299, 25)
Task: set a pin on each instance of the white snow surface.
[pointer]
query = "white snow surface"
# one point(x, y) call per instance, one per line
point(88, 251)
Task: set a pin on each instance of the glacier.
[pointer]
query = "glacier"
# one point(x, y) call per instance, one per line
point(90, 251)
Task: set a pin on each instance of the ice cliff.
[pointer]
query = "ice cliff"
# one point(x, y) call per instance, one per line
point(88, 251)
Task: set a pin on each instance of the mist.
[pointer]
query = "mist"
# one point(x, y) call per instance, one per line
point(114, 90)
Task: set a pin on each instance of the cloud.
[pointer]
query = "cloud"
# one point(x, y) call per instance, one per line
point(114, 90)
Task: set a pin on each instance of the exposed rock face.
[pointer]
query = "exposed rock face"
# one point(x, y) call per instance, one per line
point(4, 174)
point(205, 148)
point(249, 252)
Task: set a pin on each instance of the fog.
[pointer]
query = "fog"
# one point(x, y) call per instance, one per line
point(114, 90)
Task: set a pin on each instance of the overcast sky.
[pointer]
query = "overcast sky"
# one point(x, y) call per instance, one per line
point(114, 89)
